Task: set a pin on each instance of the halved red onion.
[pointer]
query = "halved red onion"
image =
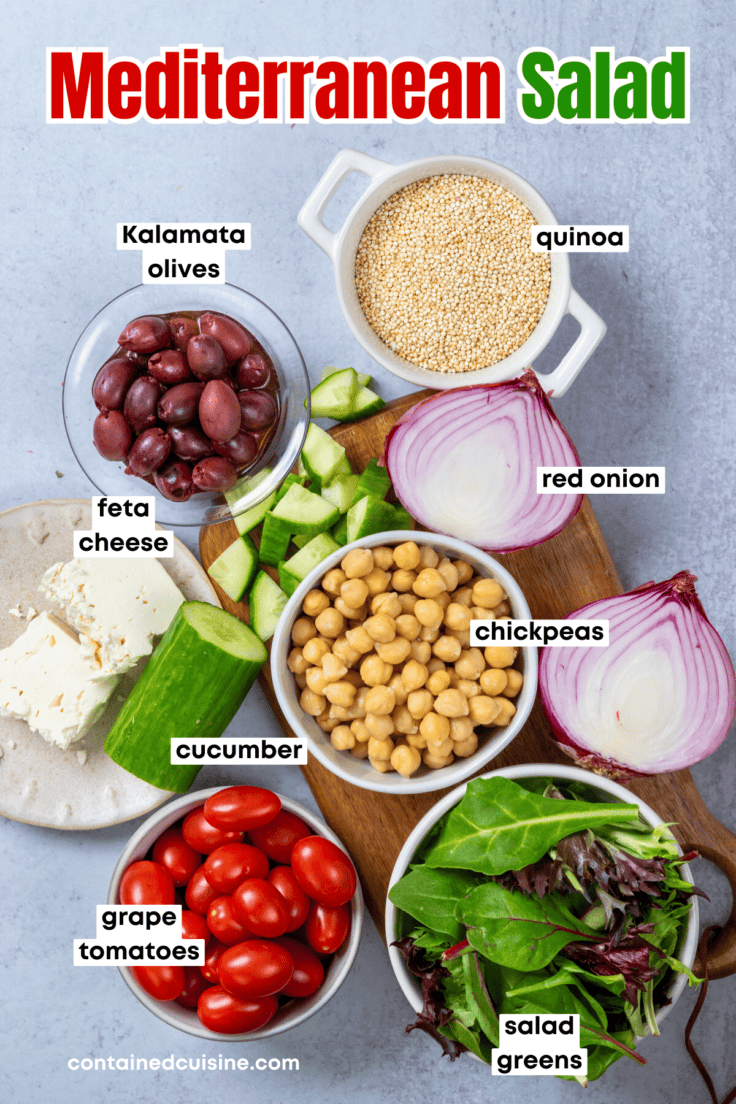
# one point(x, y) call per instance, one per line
point(464, 463)
point(659, 698)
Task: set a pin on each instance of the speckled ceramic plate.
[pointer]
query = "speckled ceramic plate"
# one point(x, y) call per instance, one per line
point(39, 783)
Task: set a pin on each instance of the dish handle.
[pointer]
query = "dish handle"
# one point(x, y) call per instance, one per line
point(592, 329)
point(722, 950)
point(340, 168)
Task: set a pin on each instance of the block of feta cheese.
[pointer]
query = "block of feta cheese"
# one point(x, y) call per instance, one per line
point(45, 681)
point(119, 607)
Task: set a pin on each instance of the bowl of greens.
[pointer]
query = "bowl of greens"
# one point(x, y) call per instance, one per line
point(542, 889)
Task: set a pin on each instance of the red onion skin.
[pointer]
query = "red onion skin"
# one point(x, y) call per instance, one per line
point(681, 586)
point(527, 381)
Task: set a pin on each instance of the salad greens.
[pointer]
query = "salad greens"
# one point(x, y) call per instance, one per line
point(531, 898)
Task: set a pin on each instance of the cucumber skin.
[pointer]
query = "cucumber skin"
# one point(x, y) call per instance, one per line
point(190, 688)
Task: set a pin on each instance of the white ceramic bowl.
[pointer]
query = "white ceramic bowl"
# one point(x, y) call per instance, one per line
point(359, 771)
point(288, 1015)
point(342, 247)
point(530, 770)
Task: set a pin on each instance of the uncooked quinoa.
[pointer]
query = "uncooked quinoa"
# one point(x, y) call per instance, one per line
point(446, 276)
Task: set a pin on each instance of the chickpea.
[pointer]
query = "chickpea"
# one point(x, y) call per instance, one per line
point(488, 593)
point(429, 635)
point(360, 731)
point(414, 675)
point(383, 766)
point(396, 651)
point(449, 573)
point(407, 626)
point(404, 722)
point(360, 751)
point(407, 602)
point(326, 722)
point(515, 683)
point(383, 557)
point(434, 727)
point(376, 580)
point(429, 583)
point(396, 683)
point(493, 681)
point(470, 665)
point(340, 693)
point(344, 652)
point(303, 630)
point(406, 760)
point(330, 623)
point(358, 562)
point(316, 680)
point(296, 662)
point(457, 616)
point(342, 739)
point(503, 609)
point(380, 749)
point(468, 687)
point(359, 640)
point(465, 748)
point(483, 710)
point(341, 713)
point(314, 603)
point(333, 668)
point(416, 740)
point(380, 727)
point(354, 614)
point(464, 571)
point(357, 709)
point(462, 635)
point(406, 555)
point(301, 681)
point(448, 649)
point(402, 580)
point(463, 596)
point(419, 703)
point(374, 672)
point(507, 710)
point(434, 762)
point(437, 682)
point(421, 651)
point(435, 664)
point(461, 729)
point(500, 657)
point(429, 613)
point(387, 603)
point(312, 703)
point(427, 556)
point(354, 593)
point(380, 700)
point(333, 581)
point(451, 703)
point(380, 628)
point(441, 749)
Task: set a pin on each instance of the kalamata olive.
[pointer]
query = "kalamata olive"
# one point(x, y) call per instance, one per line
point(112, 435)
point(214, 474)
point(170, 367)
point(206, 358)
point(140, 403)
point(139, 359)
point(149, 451)
point(252, 371)
point(178, 405)
point(258, 409)
point(112, 383)
point(174, 481)
point(242, 449)
point(189, 443)
point(181, 330)
point(234, 340)
point(219, 411)
point(145, 335)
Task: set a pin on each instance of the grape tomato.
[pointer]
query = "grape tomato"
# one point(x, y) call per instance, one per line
point(205, 837)
point(309, 973)
point(277, 838)
point(200, 894)
point(283, 879)
point(327, 928)
point(255, 968)
point(323, 871)
point(232, 863)
point(224, 924)
point(219, 1011)
point(212, 955)
point(195, 984)
point(173, 853)
point(194, 926)
point(259, 906)
point(165, 983)
point(147, 883)
point(240, 808)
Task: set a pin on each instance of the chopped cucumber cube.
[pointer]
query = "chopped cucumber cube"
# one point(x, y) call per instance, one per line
point(322, 457)
point(266, 601)
point(305, 512)
point(374, 482)
point(369, 515)
point(340, 492)
point(363, 379)
point(234, 568)
point(246, 520)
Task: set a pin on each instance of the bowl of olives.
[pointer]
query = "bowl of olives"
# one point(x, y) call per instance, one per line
point(186, 394)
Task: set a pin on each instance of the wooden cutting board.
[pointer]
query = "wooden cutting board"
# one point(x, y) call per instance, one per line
point(557, 577)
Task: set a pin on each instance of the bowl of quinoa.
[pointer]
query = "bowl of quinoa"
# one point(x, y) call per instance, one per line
point(436, 276)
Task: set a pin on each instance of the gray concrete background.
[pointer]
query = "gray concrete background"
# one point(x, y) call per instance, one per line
point(658, 391)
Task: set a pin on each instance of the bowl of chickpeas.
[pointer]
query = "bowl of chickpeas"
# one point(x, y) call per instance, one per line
point(372, 664)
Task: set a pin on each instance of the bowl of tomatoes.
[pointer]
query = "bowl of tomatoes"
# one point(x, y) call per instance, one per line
point(270, 892)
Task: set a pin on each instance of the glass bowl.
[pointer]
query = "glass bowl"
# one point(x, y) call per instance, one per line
point(100, 340)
